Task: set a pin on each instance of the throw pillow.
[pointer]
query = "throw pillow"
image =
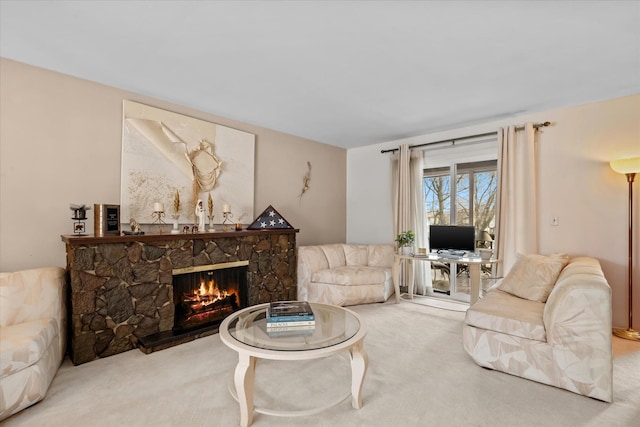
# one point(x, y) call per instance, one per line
point(356, 254)
point(381, 255)
point(532, 277)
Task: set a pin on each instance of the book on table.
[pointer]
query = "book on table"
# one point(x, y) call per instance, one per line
point(290, 311)
point(290, 318)
point(290, 308)
point(288, 331)
point(290, 324)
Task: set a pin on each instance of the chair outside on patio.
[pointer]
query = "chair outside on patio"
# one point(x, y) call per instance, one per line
point(442, 268)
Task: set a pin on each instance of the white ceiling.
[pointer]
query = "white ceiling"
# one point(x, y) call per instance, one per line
point(346, 73)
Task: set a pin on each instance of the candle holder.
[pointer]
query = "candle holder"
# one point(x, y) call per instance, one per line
point(158, 215)
point(227, 224)
point(175, 229)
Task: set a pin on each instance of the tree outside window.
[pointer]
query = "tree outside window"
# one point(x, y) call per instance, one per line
point(474, 191)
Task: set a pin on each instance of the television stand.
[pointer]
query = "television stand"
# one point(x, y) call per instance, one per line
point(473, 262)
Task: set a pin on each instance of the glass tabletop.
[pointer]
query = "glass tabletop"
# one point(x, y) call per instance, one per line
point(333, 325)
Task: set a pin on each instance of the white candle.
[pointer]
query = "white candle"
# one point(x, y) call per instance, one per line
point(158, 207)
point(226, 208)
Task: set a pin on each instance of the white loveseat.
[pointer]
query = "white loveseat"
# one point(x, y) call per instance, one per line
point(563, 340)
point(33, 334)
point(342, 274)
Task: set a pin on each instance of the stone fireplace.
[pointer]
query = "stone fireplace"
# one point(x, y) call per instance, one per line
point(124, 290)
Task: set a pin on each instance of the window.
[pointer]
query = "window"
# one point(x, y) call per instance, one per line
point(473, 194)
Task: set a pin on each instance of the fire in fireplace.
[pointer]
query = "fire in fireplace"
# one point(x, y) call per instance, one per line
point(205, 295)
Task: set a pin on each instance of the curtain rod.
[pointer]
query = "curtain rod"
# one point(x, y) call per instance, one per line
point(462, 138)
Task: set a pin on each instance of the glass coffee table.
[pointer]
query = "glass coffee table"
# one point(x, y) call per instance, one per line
point(337, 329)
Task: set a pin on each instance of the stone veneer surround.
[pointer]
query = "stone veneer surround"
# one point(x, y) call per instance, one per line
point(121, 286)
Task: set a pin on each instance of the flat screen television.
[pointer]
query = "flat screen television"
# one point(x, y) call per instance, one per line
point(452, 238)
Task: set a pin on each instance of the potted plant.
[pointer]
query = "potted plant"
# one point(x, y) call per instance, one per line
point(405, 240)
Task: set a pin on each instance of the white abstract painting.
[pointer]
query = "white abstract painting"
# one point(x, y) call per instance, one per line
point(164, 152)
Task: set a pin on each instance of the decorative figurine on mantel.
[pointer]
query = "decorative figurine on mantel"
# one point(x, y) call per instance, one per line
point(210, 205)
point(199, 211)
point(135, 226)
point(79, 215)
point(176, 213)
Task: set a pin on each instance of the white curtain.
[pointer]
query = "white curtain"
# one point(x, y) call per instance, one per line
point(517, 209)
point(402, 187)
point(408, 195)
point(423, 284)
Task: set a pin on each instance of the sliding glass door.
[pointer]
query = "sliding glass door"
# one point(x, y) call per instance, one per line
point(460, 194)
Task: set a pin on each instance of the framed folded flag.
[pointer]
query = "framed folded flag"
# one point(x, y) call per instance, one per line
point(269, 219)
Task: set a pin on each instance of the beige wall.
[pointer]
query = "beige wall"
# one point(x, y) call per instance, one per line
point(60, 143)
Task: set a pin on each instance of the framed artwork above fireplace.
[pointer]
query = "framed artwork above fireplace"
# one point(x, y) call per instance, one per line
point(164, 152)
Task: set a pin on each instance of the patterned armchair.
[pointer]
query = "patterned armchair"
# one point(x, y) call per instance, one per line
point(563, 340)
point(33, 335)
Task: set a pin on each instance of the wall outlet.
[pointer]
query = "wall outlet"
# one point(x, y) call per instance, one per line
point(555, 220)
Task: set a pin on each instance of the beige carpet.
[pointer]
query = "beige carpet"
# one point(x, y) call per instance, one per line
point(418, 375)
point(443, 303)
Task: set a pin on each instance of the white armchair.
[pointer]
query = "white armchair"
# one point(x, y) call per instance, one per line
point(563, 340)
point(342, 274)
point(33, 334)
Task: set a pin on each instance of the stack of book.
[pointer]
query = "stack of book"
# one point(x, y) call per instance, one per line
point(290, 318)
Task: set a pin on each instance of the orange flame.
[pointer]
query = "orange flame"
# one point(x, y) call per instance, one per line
point(208, 293)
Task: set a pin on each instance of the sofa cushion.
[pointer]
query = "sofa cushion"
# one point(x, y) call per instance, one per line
point(381, 255)
point(334, 254)
point(352, 275)
point(312, 258)
point(24, 344)
point(501, 312)
point(31, 294)
point(532, 277)
point(356, 254)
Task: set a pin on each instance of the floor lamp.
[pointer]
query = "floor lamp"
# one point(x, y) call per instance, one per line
point(628, 167)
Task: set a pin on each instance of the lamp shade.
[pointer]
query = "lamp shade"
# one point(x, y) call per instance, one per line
point(483, 236)
point(624, 166)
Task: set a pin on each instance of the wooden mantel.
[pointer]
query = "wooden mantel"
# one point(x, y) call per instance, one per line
point(121, 286)
point(90, 239)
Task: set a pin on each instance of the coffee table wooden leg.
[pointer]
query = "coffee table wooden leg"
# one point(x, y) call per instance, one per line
point(359, 363)
point(244, 379)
